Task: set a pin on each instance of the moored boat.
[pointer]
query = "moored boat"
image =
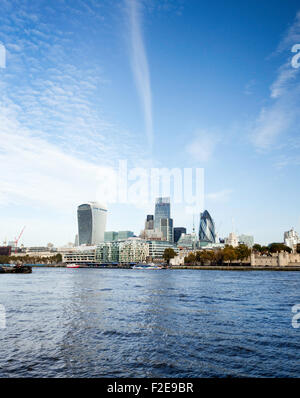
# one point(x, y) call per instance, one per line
point(147, 266)
point(73, 265)
point(15, 269)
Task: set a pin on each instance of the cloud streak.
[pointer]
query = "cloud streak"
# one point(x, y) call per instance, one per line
point(282, 113)
point(139, 64)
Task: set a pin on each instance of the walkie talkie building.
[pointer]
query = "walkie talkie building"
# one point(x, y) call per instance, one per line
point(91, 223)
point(207, 231)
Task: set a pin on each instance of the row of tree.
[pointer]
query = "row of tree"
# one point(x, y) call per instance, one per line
point(27, 259)
point(218, 256)
point(272, 248)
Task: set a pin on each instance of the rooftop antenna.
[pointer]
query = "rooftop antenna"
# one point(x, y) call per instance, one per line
point(193, 234)
point(193, 223)
point(218, 229)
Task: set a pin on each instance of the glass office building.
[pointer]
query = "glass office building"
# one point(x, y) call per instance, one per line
point(110, 236)
point(122, 235)
point(162, 210)
point(188, 241)
point(207, 231)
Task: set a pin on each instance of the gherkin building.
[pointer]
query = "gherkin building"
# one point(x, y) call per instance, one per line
point(207, 231)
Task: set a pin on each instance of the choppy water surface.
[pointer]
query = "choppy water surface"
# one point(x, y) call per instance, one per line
point(136, 323)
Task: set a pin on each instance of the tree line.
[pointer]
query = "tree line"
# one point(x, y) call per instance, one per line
point(218, 256)
point(27, 259)
point(272, 248)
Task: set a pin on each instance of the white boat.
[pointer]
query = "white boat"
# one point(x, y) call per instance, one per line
point(147, 266)
point(73, 265)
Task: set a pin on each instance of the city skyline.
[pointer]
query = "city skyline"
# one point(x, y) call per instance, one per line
point(91, 224)
point(118, 81)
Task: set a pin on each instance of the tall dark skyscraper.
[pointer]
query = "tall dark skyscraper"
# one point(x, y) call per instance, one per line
point(207, 231)
point(162, 210)
point(177, 233)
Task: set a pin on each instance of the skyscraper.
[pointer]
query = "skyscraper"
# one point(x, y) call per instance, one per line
point(166, 228)
point(162, 210)
point(207, 228)
point(149, 224)
point(91, 223)
point(177, 233)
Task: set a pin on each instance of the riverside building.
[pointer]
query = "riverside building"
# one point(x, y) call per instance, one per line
point(133, 250)
point(80, 255)
point(107, 253)
point(157, 248)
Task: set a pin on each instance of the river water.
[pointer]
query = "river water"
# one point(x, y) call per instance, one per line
point(149, 323)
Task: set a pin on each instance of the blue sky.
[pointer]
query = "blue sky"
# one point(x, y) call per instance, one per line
point(164, 83)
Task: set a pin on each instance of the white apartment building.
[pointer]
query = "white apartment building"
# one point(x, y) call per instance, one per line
point(133, 250)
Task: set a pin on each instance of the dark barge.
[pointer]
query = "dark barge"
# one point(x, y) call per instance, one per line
point(15, 269)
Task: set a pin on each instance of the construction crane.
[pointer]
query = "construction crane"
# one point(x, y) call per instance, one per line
point(17, 239)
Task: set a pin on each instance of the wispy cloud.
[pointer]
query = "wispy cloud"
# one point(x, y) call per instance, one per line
point(271, 123)
point(282, 113)
point(248, 90)
point(54, 136)
point(140, 65)
point(38, 173)
point(202, 146)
